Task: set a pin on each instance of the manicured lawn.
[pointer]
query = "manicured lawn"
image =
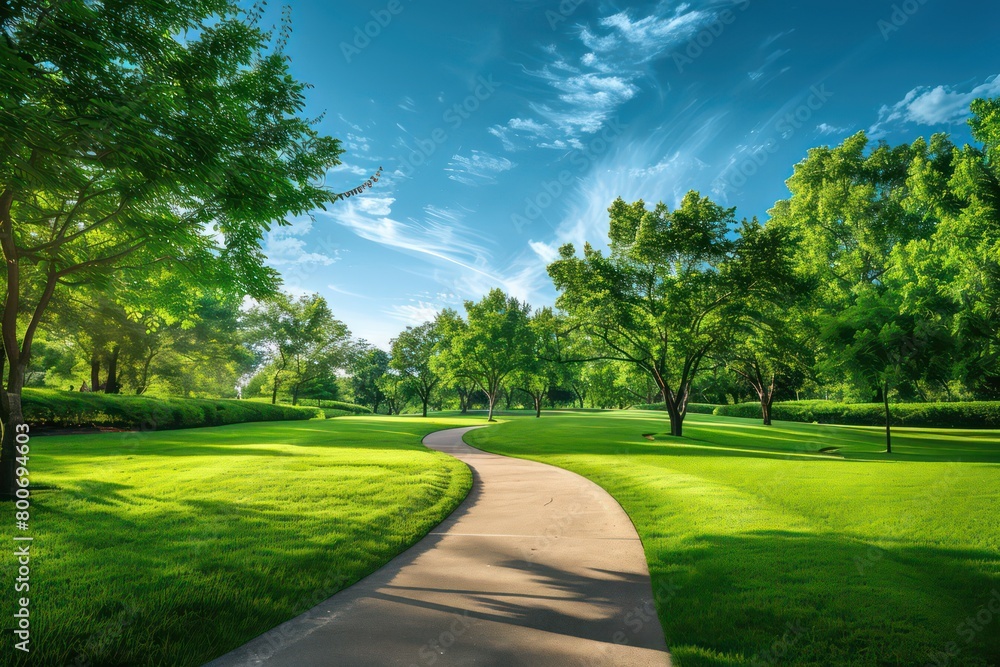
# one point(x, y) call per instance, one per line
point(763, 551)
point(172, 548)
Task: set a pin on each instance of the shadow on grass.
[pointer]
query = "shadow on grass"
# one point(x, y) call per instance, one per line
point(801, 599)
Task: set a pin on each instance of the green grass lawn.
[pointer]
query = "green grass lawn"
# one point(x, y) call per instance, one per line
point(172, 548)
point(763, 551)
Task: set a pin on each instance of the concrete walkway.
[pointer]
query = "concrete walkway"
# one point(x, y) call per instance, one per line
point(537, 567)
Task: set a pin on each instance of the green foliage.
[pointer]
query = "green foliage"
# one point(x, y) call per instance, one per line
point(301, 344)
point(971, 414)
point(341, 409)
point(412, 353)
point(671, 289)
point(694, 408)
point(489, 347)
point(67, 409)
point(367, 368)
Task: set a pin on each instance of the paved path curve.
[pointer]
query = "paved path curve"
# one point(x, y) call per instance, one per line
point(537, 567)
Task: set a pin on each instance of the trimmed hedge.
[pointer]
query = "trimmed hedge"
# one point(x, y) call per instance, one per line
point(342, 409)
point(693, 408)
point(50, 408)
point(980, 414)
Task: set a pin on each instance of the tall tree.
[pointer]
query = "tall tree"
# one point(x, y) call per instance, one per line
point(302, 342)
point(369, 365)
point(412, 352)
point(666, 294)
point(492, 344)
point(131, 134)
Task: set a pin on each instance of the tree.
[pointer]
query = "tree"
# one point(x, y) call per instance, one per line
point(880, 345)
point(768, 354)
point(393, 386)
point(302, 343)
point(132, 133)
point(964, 254)
point(370, 364)
point(666, 294)
point(412, 352)
point(493, 343)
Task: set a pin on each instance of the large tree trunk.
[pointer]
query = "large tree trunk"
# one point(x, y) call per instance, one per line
point(765, 409)
point(888, 420)
point(673, 411)
point(13, 417)
point(424, 400)
point(538, 405)
point(112, 386)
point(491, 399)
point(144, 374)
point(95, 370)
point(463, 401)
point(274, 390)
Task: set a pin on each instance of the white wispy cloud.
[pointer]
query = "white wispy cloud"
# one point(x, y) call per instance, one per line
point(771, 58)
point(939, 105)
point(356, 143)
point(407, 104)
point(619, 50)
point(826, 128)
point(651, 35)
point(439, 238)
point(285, 246)
point(414, 314)
point(478, 168)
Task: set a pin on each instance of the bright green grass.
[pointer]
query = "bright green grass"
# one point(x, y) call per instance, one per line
point(765, 552)
point(172, 548)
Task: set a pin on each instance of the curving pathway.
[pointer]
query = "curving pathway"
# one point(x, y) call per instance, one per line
point(537, 567)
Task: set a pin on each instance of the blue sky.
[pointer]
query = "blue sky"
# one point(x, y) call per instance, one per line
point(507, 128)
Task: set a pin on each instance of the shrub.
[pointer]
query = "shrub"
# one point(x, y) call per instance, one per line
point(692, 408)
point(980, 414)
point(49, 408)
point(347, 408)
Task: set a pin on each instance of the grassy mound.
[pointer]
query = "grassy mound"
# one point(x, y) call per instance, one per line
point(173, 548)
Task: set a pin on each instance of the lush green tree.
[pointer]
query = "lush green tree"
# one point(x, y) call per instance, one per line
point(302, 343)
point(542, 370)
point(964, 256)
point(395, 389)
point(487, 348)
point(369, 365)
point(132, 133)
point(668, 291)
point(769, 354)
point(852, 211)
point(412, 352)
